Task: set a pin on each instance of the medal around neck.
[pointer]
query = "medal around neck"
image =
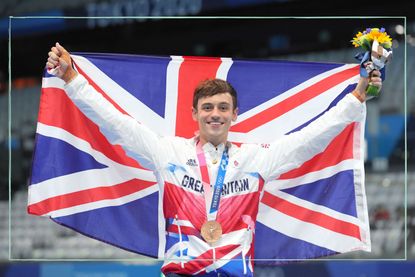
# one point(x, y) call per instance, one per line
point(211, 231)
point(378, 51)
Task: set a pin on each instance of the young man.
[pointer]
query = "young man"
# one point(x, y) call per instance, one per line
point(211, 188)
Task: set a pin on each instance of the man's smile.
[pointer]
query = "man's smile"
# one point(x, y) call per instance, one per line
point(215, 123)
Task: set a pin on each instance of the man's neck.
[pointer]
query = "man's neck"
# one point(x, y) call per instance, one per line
point(214, 143)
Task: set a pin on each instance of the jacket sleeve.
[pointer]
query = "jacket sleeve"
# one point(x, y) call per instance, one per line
point(292, 150)
point(137, 140)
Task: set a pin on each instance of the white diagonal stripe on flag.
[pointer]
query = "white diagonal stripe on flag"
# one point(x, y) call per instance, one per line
point(316, 208)
point(113, 174)
point(123, 98)
point(309, 232)
point(104, 203)
point(291, 92)
point(311, 177)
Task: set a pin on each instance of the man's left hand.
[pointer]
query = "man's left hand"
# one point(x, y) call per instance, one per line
point(374, 79)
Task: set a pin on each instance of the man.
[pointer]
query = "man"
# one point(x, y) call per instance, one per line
point(211, 188)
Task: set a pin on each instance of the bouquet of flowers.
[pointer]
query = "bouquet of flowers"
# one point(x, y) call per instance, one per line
point(377, 45)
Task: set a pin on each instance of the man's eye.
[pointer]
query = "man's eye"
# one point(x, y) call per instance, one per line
point(223, 108)
point(207, 108)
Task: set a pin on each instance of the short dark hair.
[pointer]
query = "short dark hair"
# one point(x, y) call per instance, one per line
point(211, 87)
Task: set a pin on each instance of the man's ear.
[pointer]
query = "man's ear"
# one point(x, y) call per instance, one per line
point(235, 114)
point(194, 114)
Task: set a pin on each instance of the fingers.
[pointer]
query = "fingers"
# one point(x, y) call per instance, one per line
point(376, 84)
point(375, 73)
point(60, 49)
point(53, 59)
point(53, 56)
point(57, 56)
point(375, 78)
point(57, 51)
point(50, 65)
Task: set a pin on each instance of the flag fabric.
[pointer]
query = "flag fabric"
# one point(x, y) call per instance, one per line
point(83, 182)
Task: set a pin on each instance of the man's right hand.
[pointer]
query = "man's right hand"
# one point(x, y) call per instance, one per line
point(60, 61)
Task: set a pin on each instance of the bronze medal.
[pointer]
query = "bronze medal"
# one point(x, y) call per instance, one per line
point(211, 231)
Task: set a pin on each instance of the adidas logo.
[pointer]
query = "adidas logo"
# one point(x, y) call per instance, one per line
point(191, 162)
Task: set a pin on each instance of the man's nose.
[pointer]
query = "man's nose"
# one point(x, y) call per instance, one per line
point(215, 113)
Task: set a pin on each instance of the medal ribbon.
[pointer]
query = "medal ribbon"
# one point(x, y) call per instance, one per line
point(212, 200)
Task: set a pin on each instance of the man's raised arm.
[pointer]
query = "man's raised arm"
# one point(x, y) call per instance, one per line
point(292, 150)
point(140, 142)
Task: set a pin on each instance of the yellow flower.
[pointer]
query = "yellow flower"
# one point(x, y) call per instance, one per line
point(384, 40)
point(355, 40)
point(366, 38)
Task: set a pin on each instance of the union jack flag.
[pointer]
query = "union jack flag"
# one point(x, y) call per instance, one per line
point(83, 182)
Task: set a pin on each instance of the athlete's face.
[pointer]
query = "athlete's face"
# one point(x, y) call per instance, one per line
point(214, 115)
